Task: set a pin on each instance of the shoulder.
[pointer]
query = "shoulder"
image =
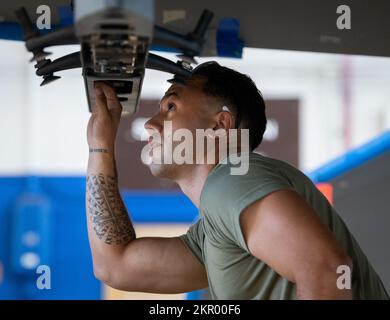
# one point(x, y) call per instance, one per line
point(261, 171)
point(225, 195)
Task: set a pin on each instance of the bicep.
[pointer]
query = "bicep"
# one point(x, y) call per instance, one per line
point(286, 233)
point(158, 265)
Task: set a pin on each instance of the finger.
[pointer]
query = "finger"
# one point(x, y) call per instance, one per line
point(111, 97)
point(113, 104)
point(100, 99)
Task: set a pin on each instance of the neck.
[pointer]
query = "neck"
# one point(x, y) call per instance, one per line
point(193, 182)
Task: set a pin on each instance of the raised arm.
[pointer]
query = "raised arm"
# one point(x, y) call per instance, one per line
point(120, 259)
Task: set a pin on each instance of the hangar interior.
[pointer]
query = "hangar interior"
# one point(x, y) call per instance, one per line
point(327, 96)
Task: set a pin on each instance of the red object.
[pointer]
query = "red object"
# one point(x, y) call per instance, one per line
point(327, 190)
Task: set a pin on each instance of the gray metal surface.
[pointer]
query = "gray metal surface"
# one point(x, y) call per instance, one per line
point(362, 197)
point(306, 25)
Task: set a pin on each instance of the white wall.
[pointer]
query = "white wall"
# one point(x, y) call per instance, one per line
point(43, 129)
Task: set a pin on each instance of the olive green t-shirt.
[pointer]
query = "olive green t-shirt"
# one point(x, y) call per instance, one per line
point(217, 241)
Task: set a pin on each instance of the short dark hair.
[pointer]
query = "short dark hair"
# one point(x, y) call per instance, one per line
point(238, 91)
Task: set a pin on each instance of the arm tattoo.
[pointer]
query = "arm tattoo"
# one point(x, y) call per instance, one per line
point(101, 150)
point(106, 210)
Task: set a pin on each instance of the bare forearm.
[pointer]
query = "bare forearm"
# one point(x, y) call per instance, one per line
point(109, 227)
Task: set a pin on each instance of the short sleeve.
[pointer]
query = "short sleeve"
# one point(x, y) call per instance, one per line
point(194, 238)
point(225, 196)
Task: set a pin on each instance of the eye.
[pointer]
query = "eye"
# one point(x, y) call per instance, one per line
point(171, 106)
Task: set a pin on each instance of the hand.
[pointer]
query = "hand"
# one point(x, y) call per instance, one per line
point(104, 121)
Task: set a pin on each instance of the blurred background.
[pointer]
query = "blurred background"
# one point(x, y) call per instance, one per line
point(328, 115)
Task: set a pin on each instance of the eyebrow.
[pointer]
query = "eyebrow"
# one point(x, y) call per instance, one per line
point(170, 94)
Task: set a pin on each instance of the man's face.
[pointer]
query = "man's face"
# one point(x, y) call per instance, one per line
point(183, 106)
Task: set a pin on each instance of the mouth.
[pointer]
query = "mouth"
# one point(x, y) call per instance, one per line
point(153, 144)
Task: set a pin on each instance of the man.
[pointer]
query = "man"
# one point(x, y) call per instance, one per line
point(265, 234)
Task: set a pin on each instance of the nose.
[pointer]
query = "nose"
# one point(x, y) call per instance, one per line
point(153, 125)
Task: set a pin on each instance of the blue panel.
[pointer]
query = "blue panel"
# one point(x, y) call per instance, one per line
point(164, 207)
point(195, 295)
point(10, 188)
point(65, 244)
point(54, 208)
point(30, 234)
point(228, 42)
point(10, 31)
point(352, 159)
point(66, 15)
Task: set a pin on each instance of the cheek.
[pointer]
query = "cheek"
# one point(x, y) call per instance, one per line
point(187, 119)
point(190, 121)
